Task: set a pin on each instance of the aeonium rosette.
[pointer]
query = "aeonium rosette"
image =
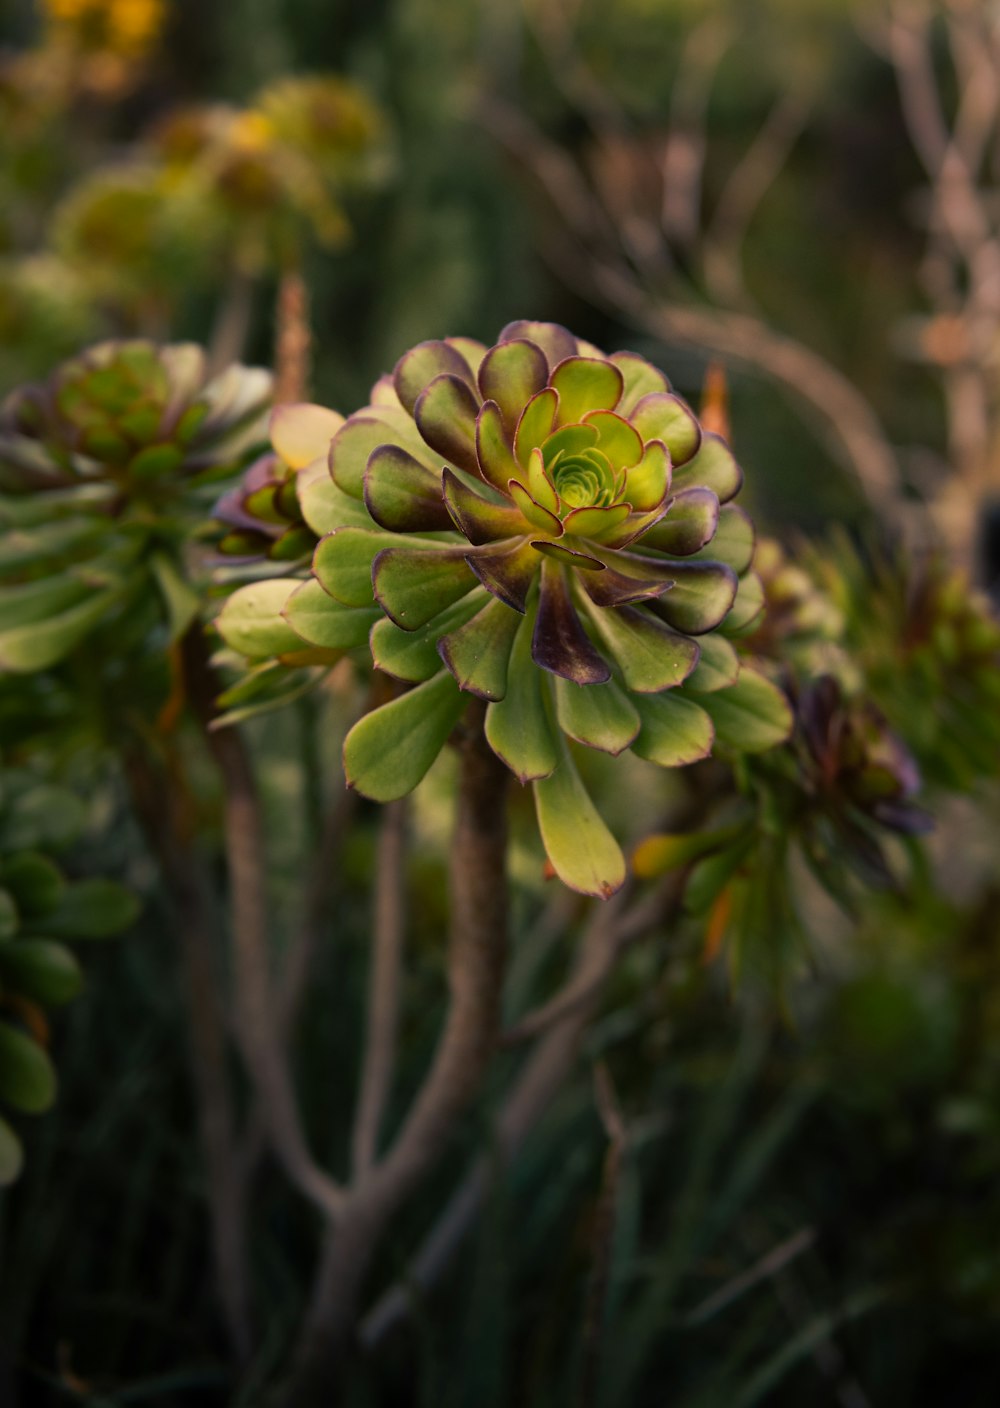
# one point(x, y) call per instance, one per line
point(547, 528)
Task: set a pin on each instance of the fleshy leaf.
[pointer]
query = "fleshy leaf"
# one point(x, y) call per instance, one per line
point(599, 715)
point(343, 562)
point(324, 504)
point(734, 539)
point(44, 643)
point(517, 726)
point(390, 750)
point(478, 652)
point(718, 668)
point(252, 622)
point(583, 852)
point(494, 448)
point(641, 379)
point(412, 655)
point(41, 969)
point(748, 605)
point(446, 414)
point(535, 425)
point(571, 438)
point(675, 731)
point(663, 416)
point(585, 384)
point(416, 370)
point(510, 374)
point(403, 495)
point(713, 466)
point(560, 644)
point(555, 341)
point(751, 716)
point(689, 523)
point(479, 519)
point(650, 656)
point(539, 484)
point(358, 437)
point(702, 594)
point(302, 433)
point(595, 523)
point(27, 1076)
point(314, 615)
point(616, 438)
point(412, 586)
point(540, 518)
point(471, 350)
point(614, 588)
point(648, 481)
point(506, 570)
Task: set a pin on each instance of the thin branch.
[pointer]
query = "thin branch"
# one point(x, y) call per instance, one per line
point(477, 949)
point(766, 1266)
point(603, 1236)
point(232, 325)
point(388, 932)
point(746, 187)
point(293, 340)
point(256, 1009)
point(683, 162)
point(159, 814)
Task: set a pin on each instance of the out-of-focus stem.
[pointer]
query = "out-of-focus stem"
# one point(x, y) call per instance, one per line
point(477, 951)
point(388, 933)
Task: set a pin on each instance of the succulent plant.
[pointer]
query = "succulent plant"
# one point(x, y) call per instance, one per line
point(104, 470)
point(539, 525)
point(39, 909)
point(262, 515)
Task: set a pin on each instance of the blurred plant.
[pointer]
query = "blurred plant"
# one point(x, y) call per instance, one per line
point(105, 44)
point(39, 908)
point(104, 469)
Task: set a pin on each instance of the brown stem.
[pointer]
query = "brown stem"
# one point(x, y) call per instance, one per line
point(158, 811)
point(256, 1008)
point(477, 950)
point(388, 933)
point(293, 340)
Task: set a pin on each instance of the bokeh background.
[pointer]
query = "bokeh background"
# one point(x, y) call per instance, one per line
point(792, 206)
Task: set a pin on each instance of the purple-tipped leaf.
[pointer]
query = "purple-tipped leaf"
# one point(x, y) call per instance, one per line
point(663, 416)
point(445, 414)
point(599, 715)
point(506, 570)
point(714, 466)
point(510, 374)
point(703, 593)
point(616, 438)
point(412, 587)
point(641, 379)
point(418, 368)
point(402, 495)
point(650, 656)
point(477, 653)
point(555, 341)
point(560, 644)
point(690, 521)
point(535, 424)
point(675, 731)
point(585, 384)
point(494, 448)
point(480, 520)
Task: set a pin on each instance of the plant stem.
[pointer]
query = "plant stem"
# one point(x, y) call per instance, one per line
point(477, 952)
point(383, 997)
point(256, 1007)
point(159, 813)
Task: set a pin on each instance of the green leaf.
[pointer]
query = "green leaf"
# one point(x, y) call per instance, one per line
point(92, 909)
point(714, 466)
point(650, 656)
point(750, 716)
point(27, 1076)
point(663, 416)
point(402, 495)
point(702, 594)
point(718, 667)
point(734, 539)
point(29, 602)
point(11, 1155)
point(179, 597)
point(748, 605)
point(34, 881)
point(599, 715)
point(517, 726)
point(412, 655)
point(656, 855)
point(417, 368)
point(314, 615)
point(37, 647)
point(585, 384)
point(675, 731)
point(477, 653)
point(41, 969)
point(252, 622)
point(413, 586)
point(641, 379)
point(583, 852)
point(44, 817)
point(691, 518)
point(445, 414)
point(324, 506)
point(510, 374)
point(389, 751)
